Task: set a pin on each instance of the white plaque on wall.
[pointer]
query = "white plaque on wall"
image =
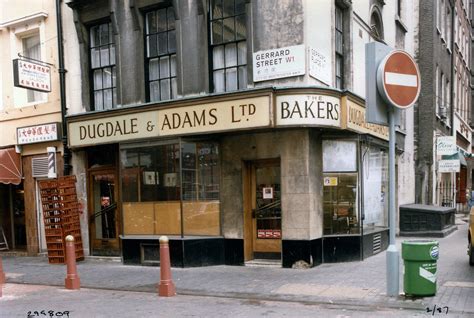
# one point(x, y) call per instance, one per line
point(319, 66)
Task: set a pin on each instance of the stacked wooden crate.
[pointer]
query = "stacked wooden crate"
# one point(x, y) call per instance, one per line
point(61, 217)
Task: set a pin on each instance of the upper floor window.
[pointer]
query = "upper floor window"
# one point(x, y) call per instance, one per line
point(103, 70)
point(339, 49)
point(228, 32)
point(32, 49)
point(161, 55)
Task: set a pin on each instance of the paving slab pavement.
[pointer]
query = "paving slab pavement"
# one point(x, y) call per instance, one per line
point(352, 284)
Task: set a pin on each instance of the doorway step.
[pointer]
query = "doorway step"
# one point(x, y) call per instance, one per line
point(264, 263)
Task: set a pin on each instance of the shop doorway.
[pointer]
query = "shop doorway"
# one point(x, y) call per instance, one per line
point(103, 213)
point(12, 216)
point(262, 210)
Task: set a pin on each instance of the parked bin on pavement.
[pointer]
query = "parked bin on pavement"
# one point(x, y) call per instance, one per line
point(420, 257)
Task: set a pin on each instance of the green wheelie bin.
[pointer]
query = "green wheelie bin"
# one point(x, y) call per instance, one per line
point(420, 257)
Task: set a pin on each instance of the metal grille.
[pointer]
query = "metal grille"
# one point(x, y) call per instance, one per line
point(446, 192)
point(39, 167)
point(377, 243)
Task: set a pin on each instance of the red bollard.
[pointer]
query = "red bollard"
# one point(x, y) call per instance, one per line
point(72, 280)
point(2, 276)
point(166, 287)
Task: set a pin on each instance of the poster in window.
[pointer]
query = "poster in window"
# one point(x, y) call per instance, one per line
point(170, 179)
point(268, 193)
point(150, 177)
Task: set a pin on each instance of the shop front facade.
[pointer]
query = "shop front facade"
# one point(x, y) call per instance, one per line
point(295, 175)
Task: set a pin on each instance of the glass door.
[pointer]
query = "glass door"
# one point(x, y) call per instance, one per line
point(103, 213)
point(266, 210)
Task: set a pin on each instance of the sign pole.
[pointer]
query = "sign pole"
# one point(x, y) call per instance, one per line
point(392, 251)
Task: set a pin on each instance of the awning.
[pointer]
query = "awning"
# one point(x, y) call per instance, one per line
point(457, 155)
point(10, 166)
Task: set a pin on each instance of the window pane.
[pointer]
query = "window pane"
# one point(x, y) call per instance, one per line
point(339, 42)
point(228, 8)
point(174, 88)
point(165, 89)
point(108, 99)
point(242, 77)
point(172, 41)
point(95, 58)
point(242, 53)
point(94, 36)
point(97, 79)
point(112, 54)
point(229, 30)
point(150, 23)
point(98, 100)
point(218, 57)
point(218, 80)
point(216, 32)
point(162, 18)
point(231, 79)
point(114, 102)
point(162, 43)
point(107, 78)
point(164, 67)
point(154, 91)
point(114, 77)
point(240, 27)
point(153, 69)
point(171, 24)
point(239, 6)
point(104, 56)
point(173, 65)
point(216, 6)
point(104, 33)
point(230, 55)
point(152, 46)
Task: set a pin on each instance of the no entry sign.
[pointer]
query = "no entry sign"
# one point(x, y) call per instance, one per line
point(398, 79)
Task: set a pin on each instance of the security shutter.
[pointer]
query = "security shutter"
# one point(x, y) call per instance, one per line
point(39, 167)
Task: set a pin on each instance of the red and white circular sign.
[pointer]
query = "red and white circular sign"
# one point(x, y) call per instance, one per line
point(398, 79)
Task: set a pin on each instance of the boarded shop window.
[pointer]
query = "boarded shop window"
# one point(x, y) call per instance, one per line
point(164, 183)
point(339, 156)
point(375, 185)
point(228, 45)
point(161, 54)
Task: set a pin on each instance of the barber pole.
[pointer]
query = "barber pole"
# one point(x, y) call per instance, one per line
point(51, 162)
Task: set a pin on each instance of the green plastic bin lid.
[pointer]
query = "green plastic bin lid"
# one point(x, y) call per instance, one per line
point(420, 242)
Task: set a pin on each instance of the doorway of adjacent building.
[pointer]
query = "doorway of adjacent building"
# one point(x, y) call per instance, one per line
point(12, 216)
point(103, 213)
point(262, 210)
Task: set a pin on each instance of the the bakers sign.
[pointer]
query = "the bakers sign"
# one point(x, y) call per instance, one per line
point(31, 75)
point(308, 109)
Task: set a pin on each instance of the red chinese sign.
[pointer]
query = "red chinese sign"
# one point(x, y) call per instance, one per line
point(32, 75)
point(268, 234)
point(37, 133)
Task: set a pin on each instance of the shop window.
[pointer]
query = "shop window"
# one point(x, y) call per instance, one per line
point(161, 54)
point(340, 204)
point(375, 185)
point(228, 33)
point(103, 70)
point(340, 187)
point(164, 184)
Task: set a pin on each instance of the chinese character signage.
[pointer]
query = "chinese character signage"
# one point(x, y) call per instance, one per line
point(37, 133)
point(32, 75)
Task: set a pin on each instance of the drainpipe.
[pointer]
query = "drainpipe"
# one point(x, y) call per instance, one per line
point(62, 88)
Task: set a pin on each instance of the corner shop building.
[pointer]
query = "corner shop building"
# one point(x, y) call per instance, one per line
point(293, 174)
